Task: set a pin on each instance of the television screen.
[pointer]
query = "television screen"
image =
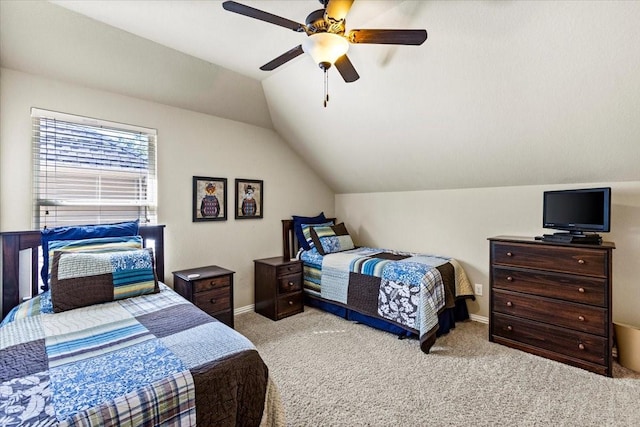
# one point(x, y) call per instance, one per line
point(577, 210)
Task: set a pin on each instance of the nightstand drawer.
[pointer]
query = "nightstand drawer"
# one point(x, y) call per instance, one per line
point(292, 268)
point(214, 300)
point(203, 285)
point(290, 304)
point(289, 283)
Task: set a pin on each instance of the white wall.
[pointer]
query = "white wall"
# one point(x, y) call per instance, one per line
point(189, 144)
point(457, 223)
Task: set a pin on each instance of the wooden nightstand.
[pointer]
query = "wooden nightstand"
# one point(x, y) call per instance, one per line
point(278, 287)
point(211, 291)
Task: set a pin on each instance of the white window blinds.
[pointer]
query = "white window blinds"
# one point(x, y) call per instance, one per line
point(89, 171)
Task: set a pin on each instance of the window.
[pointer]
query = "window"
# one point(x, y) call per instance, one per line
point(89, 171)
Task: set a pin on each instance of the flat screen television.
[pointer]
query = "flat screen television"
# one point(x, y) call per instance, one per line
point(577, 211)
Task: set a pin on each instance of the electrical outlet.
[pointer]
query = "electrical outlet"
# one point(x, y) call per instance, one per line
point(478, 289)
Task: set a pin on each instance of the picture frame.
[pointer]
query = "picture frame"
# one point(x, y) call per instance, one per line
point(249, 198)
point(209, 199)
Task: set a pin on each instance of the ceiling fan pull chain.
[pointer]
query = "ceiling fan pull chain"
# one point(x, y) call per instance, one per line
point(326, 88)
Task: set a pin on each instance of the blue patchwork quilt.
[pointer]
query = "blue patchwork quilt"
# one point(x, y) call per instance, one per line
point(409, 289)
point(150, 360)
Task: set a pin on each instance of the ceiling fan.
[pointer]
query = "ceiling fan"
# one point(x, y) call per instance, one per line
point(328, 41)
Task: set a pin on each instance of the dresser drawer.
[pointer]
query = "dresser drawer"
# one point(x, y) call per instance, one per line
point(590, 262)
point(289, 283)
point(290, 304)
point(212, 283)
point(578, 317)
point(285, 269)
point(580, 289)
point(214, 300)
point(562, 341)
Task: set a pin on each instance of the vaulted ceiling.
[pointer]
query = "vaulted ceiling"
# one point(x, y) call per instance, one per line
point(502, 92)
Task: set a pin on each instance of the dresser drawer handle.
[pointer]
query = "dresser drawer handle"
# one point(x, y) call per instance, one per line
point(581, 318)
point(289, 268)
point(509, 304)
point(580, 261)
point(212, 300)
point(290, 302)
point(581, 346)
point(509, 279)
point(509, 328)
point(290, 283)
point(212, 283)
point(581, 290)
point(509, 254)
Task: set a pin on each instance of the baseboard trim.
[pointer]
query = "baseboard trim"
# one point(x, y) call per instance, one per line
point(245, 309)
point(480, 319)
point(250, 307)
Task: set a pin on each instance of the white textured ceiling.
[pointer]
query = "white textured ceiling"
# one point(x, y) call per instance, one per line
point(501, 93)
point(205, 30)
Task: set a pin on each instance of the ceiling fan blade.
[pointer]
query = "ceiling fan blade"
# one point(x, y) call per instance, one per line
point(337, 9)
point(346, 69)
point(407, 37)
point(285, 57)
point(251, 12)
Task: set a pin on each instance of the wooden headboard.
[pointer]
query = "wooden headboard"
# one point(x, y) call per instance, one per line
point(290, 245)
point(289, 241)
point(13, 242)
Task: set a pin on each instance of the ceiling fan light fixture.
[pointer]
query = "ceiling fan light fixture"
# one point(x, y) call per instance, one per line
point(325, 48)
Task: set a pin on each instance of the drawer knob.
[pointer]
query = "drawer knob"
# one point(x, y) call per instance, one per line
point(509, 254)
point(290, 302)
point(581, 318)
point(509, 328)
point(290, 283)
point(509, 304)
point(509, 279)
point(289, 268)
point(581, 290)
point(212, 283)
point(580, 261)
point(581, 346)
point(212, 300)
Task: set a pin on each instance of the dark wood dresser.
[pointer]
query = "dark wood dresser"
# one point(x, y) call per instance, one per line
point(553, 300)
point(278, 287)
point(211, 290)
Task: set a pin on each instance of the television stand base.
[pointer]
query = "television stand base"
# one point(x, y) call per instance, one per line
point(585, 239)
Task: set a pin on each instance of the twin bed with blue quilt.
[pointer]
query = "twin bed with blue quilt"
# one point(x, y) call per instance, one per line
point(108, 344)
point(409, 294)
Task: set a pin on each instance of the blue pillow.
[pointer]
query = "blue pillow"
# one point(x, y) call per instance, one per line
point(120, 229)
point(331, 239)
point(297, 227)
point(306, 232)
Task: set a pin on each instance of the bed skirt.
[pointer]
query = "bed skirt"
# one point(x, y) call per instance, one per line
point(446, 319)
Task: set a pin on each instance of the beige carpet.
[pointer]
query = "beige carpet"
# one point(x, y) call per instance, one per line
point(332, 372)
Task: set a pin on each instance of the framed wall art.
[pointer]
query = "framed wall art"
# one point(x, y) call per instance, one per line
point(249, 198)
point(209, 199)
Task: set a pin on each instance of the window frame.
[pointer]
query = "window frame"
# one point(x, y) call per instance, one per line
point(107, 191)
